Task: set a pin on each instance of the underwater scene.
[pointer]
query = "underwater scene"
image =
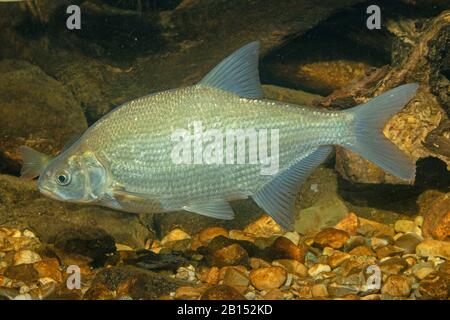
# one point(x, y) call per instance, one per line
point(224, 150)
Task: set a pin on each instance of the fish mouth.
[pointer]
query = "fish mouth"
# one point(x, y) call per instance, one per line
point(48, 193)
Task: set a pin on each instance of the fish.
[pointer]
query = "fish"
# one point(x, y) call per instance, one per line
point(125, 160)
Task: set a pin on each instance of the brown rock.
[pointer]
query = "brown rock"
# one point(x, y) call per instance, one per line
point(222, 292)
point(208, 234)
point(256, 263)
point(263, 227)
point(26, 257)
point(284, 248)
point(210, 276)
point(408, 242)
point(189, 293)
point(268, 278)
point(434, 248)
point(380, 228)
point(230, 255)
point(388, 251)
point(274, 294)
point(435, 288)
point(404, 226)
point(241, 235)
point(337, 258)
point(235, 278)
point(23, 272)
point(436, 220)
point(291, 266)
point(362, 251)
point(174, 235)
point(393, 265)
point(396, 286)
point(319, 291)
point(348, 224)
point(331, 237)
point(318, 268)
point(98, 292)
point(48, 268)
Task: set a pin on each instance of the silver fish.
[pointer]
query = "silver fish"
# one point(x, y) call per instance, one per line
point(125, 160)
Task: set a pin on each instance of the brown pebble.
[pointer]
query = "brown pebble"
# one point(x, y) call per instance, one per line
point(268, 278)
point(284, 248)
point(434, 248)
point(434, 288)
point(48, 268)
point(396, 286)
point(388, 251)
point(331, 237)
point(337, 258)
point(348, 224)
point(206, 235)
point(263, 227)
point(230, 255)
point(362, 251)
point(222, 292)
point(189, 293)
point(436, 220)
point(291, 266)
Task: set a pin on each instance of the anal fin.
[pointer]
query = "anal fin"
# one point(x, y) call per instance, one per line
point(277, 197)
point(219, 209)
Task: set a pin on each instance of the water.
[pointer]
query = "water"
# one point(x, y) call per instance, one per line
point(56, 80)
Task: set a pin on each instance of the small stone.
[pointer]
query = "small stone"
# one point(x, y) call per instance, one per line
point(348, 224)
point(434, 288)
point(362, 251)
point(189, 293)
point(240, 235)
point(263, 227)
point(380, 228)
point(340, 290)
point(396, 286)
point(379, 242)
point(388, 251)
point(230, 255)
point(22, 272)
point(222, 292)
point(25, 296)
point(337, 258)
point(26, 257)
point(423, 270)
point(404, 226)
point(291, 266)
point(293, 236)
point(123, 247)
point(99, 291)
point(418, 221)
point(393, 265)
point(210, 276)
point(408, 242)
point(274, 294)
point(175, 235)
point(206, 235)
point(256, 263)
point(268, 278)
point(331, 237)
point(318, 268)
point(319, 291)
point(436, 248)
point(235, 278)
point(29, 234)
point(48, 268)
point(436, 220)
point(283, 248)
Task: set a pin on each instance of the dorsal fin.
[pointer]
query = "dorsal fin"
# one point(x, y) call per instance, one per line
point(238, 73)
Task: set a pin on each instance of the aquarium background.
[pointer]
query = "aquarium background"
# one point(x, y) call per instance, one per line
point(352, 218)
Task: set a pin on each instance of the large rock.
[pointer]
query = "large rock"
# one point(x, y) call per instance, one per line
point(36, 111)
point(22, 206)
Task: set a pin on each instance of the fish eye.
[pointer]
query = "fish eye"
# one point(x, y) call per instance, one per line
point(63, 178)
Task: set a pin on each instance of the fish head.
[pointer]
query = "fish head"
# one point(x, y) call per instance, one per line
point(79, 178)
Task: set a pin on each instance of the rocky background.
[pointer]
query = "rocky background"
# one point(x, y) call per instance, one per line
point(54, 83)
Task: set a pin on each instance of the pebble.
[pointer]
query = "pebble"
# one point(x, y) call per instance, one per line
point(49, 268)
point(436, 220)
point(268, 278)
point(435, 248)
point(404, 226)
point(263, 227)
point(293, 236)
point(175, 235)
point(396, 286)
point(318, 268)
point(274, 294)
point(434, 288)
point(206, 235)
point(291, 266)
point(256, 263)
point(408, 242)
point(230, 255)
point(379, 242)
point(362, 251)
point(236, 278)
point(189, 293)
point(26, 257)
point(423, 270)
point(319, 290)
point(380, 228)
point(337, 258)
point(388, 251)
point(222, 292)
point(331, 237)
point(348, 224)
point(283, 248)
point(210, 275)
point(241, 235)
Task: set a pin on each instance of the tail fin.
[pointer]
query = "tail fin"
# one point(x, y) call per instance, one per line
point(34, 162)
point(371, 144)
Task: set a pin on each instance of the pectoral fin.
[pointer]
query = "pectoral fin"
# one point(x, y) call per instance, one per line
point(219, 209)
point(34, 162)
point(277, 197)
